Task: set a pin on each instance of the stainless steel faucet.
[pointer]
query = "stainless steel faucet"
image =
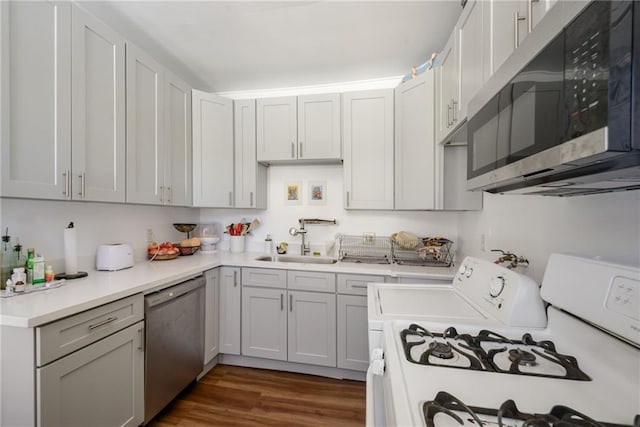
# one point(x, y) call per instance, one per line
point(304, 247)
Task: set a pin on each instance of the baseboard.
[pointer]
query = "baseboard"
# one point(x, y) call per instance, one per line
point(280, 365)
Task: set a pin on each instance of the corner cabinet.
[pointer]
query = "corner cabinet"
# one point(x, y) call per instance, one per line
point(212, 150)
point(250, 176)
point(415, 168)
point(368, 149)
point(230, 295)
point(211, 314)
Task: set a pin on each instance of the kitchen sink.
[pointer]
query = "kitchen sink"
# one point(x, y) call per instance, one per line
point(298, 259)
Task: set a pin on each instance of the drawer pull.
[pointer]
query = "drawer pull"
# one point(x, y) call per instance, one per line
point(290, 302)
point(141, 346)
point(359, 286)
point(104, 322)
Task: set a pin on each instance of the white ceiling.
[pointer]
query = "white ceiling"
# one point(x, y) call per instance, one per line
point(243, 45)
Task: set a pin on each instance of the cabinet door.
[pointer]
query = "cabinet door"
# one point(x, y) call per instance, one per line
point(277, 129)
point(102, 384)
point(145, 144)
point(312, 328)
point(211, 314)
point(36, 99)
point(98, 88)
point(212, 150)
point(250, 176)
point(415, 143)
point(470, 37)
point(319, 129)
point(177, 166)
point(353, 333)
point(230, 310)
point(506, 29)
point(447, 88)
point(368, 149)
point(264, 323)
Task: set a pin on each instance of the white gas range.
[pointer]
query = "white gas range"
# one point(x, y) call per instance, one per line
point(585, 364)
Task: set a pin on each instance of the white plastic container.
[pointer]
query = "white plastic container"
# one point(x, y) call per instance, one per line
point(236, 244)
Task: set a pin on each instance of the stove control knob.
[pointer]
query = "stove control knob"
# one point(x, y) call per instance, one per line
point(469, 272)
point(496, 286)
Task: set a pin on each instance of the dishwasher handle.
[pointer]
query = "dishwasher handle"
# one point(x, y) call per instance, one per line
point(173, 292)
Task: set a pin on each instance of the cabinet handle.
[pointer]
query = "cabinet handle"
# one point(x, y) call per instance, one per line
point(454, 107)
point(104, 322)
point(448, 115)
point(170, 191)
point(230, 198)
point(516, 20)
point(359, 286)
point(161, 194)
point(281, 302)
point(141, 346)
point(251, 198)
point(80, 192)
point(65, 192)
point(235, 278)
point(293, 147)
point(290, 302)
point(530, 12)
point(347, 199)
point(300, 150)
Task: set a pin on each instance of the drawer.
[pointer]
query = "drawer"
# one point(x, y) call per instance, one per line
point(356, 284)
point(264, 277)
point(64, 336)
point(311, 281)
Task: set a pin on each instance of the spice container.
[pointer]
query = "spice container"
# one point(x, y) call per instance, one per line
point(19, 279)
point(48, 274)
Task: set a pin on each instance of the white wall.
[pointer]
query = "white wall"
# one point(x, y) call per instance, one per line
point(40, 223)
point(278, 218)
point(604, 225)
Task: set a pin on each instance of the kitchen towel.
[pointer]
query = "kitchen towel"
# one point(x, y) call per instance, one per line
point(70, 251)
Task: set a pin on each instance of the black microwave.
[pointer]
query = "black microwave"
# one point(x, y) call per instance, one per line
point(566, 123)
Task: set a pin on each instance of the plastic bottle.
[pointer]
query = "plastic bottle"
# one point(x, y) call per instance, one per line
point(48, 274)
point(29, 265)
point(37, 277)
point(268, 245)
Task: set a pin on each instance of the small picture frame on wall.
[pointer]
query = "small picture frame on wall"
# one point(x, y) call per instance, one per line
point(317, 193)
point(293, 193)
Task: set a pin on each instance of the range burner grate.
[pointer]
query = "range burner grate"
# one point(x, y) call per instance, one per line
point(507, 415)
point(488, 351)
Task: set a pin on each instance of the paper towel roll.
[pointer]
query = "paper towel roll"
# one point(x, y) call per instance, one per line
point(70, 251)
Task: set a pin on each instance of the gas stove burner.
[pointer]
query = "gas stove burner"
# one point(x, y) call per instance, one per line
point(441, 350)
point(506, 415)
point(522, 357)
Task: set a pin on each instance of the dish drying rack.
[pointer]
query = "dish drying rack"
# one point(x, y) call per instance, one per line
point(426, 251)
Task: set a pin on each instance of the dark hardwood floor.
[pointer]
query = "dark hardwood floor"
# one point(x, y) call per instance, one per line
point(236, 396)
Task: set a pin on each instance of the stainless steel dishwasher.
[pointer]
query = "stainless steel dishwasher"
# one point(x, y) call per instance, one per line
point(174, 350)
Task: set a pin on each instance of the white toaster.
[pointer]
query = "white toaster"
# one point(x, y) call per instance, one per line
point(114, 256)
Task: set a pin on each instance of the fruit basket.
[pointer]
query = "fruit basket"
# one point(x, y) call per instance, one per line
point(187, 250)
point(162, 252)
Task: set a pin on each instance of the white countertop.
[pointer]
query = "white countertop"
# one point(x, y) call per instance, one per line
point(101, 287)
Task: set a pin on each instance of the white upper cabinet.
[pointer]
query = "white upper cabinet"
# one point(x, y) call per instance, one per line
point(212, 150)
point(447, 88)
point(319, 133)
point(470, 30)
point(250, 176)
point(36, 99)
point(415, 143)
point(98, 109)
point(277, 129)
point(368, 149)
point(145, 103)
point(304, 128)
point(178, 155)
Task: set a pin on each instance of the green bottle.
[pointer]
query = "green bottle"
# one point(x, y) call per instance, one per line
point(30, 254)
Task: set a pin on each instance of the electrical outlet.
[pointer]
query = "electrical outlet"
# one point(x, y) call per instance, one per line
point(624, 297)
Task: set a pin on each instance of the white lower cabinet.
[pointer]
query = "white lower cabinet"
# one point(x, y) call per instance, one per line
point(230, 296)
point(100, 385)
point(211, 314)
point(264, 323)
point(312, 328)
point(353, 339)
